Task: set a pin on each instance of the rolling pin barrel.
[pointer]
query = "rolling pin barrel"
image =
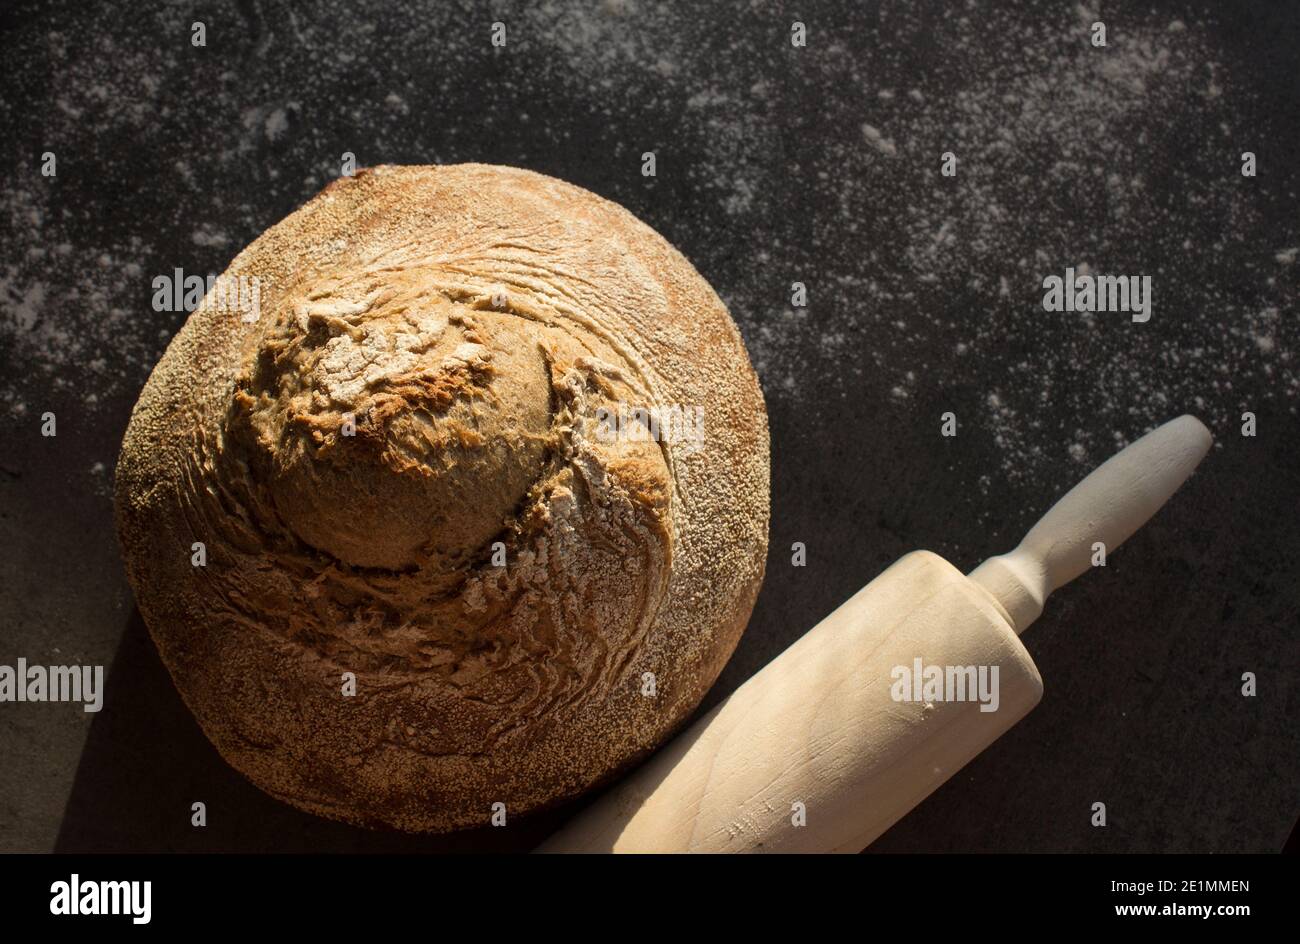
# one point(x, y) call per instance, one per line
point(815, 753)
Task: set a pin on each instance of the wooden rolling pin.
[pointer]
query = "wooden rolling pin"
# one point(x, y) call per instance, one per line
point(848, 729)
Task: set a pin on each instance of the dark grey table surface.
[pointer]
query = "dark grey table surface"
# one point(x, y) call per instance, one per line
point(776, 164)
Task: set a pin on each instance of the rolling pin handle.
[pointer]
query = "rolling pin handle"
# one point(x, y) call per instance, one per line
point(1116, 499)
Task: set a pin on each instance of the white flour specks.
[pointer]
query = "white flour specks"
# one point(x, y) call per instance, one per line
point(878, 140)
point(820, 165)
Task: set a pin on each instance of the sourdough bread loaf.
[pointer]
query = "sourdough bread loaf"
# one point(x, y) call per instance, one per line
point(445, 562)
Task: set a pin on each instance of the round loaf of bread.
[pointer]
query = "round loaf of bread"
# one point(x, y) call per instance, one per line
point(452, 492)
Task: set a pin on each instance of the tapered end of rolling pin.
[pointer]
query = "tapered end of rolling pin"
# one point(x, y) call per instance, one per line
point(1109, 505)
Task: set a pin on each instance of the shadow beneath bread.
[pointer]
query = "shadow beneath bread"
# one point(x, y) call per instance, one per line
point(146, 761)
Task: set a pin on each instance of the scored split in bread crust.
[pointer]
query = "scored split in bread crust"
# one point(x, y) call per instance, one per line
point(469, 321)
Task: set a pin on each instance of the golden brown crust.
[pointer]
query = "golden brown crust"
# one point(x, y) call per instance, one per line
point(468, 325)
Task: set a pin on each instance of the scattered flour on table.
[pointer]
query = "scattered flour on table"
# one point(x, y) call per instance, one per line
point(1122, 160)
point(818, 165)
